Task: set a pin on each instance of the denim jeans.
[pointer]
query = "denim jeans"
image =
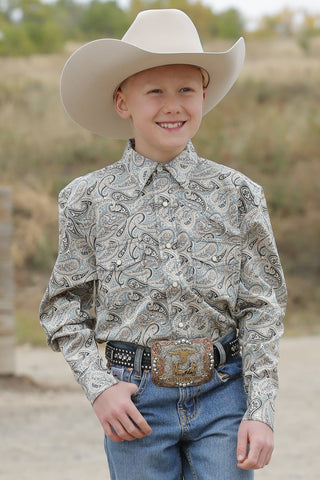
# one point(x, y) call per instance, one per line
point(194, 430)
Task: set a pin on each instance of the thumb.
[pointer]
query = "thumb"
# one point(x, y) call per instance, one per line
point(242, 445)
point(127, 388)
point(132, 388)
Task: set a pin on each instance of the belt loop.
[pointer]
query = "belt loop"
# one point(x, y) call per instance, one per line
point(138, 361)
point(222, 353)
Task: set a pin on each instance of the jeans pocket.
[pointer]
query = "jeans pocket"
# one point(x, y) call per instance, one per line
point(124, 374)
point(131, 376)
point(141, 382)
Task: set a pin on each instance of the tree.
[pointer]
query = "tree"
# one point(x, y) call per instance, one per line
point(31, 26)
point(230, 24)
point(105, 19)
point(34, 31)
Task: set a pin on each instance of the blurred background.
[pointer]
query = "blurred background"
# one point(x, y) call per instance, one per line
point(268, 127)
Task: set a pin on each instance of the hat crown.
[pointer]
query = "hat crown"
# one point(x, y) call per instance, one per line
point(164, 31)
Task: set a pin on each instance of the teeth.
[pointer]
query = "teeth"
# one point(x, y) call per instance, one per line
point(171, 125)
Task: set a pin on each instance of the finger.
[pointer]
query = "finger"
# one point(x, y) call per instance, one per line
point(262, 461)
point(257, 458)
point(265, 448)
point(269, 450)
point(268, 457)
point(139, 420)
point(130, 424)
point(121, 431)
point(242, 445)
point(254, 456)
point(130, 427)
point(253, 460)
point(132, 387)
point(110, 433)
point(265, 455)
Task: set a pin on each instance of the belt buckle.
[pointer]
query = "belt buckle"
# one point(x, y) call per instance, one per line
point(182, 363)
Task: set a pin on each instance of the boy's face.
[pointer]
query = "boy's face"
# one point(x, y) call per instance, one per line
point(164, 105)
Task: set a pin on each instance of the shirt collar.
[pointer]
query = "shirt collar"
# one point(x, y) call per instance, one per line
point(140, 168)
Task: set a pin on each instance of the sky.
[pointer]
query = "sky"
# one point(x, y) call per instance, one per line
point(252, 10)
point(258, 8)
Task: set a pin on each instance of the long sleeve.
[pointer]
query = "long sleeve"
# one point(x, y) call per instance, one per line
point(260, 307)
point(67, 311)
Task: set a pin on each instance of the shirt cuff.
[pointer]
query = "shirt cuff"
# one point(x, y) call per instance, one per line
point(261, 407)
point(95, 380)
point(87, 365)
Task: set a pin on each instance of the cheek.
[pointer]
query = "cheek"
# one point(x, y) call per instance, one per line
point(147, 111)
point(153, 105)
point(196, 108)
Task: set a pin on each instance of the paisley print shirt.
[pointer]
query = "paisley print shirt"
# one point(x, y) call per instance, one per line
point(155, 251)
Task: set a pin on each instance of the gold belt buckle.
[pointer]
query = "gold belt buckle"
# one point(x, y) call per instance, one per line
point(182, 363)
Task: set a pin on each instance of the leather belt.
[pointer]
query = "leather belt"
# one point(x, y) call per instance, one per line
point(125, 357)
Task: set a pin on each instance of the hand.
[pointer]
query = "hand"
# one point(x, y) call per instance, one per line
point(119, 417)
point(260, 438)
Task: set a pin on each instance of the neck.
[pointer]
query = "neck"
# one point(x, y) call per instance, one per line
point(158, 156)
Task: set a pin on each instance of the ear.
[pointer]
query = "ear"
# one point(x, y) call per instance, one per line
point(204, 93)
point(121, 104)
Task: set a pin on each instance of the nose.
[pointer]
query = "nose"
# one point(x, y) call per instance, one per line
point(171, 104)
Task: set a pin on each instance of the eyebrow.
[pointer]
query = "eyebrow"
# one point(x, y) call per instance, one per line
point(204, 74)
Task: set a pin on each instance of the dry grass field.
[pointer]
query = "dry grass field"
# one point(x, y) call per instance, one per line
point(268, 127)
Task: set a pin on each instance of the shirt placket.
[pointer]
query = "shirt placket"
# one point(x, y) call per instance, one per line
point(166, 201)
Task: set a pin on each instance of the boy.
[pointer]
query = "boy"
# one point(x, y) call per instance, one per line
point(170, 259)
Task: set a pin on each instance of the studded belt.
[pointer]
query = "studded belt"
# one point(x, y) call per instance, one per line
point(125, 357)
point(176, 362)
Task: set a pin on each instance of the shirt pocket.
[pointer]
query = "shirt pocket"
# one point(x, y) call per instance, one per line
point(121, 264)
point(216, 264)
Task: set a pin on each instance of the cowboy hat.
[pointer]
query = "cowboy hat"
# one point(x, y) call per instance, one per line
point(156, 37)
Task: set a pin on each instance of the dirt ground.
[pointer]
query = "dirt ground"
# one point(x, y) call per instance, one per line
point(48, 430)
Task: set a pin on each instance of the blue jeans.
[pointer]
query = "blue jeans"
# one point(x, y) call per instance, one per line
point(194, 430)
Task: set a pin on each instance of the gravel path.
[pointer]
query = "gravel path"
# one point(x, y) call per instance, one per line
point(48, 430)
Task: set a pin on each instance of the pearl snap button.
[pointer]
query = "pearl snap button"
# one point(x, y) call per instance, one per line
point(119, 262)
point(168, 245)
point(214, 258)
point(175, 284)
point(180, 325)
point(165, 203)
point(160, 168)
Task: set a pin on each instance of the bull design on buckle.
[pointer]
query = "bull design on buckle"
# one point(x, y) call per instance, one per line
point(182, 363)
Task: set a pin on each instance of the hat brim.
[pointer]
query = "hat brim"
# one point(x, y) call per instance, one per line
point(95, 70)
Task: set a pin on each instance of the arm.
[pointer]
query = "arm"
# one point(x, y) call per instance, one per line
point(260, 309)
point(67, 309)
point(67, 314)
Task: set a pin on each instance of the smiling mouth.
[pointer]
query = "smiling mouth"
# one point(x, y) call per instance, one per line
point(170, 125)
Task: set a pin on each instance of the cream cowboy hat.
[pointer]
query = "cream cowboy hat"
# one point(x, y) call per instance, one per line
point(156, 37)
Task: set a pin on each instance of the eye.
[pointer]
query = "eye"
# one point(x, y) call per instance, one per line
point(155, 90)
point(185, 89)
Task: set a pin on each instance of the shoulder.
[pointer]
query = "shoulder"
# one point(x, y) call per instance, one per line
point(90, 187)
point(232, 180)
